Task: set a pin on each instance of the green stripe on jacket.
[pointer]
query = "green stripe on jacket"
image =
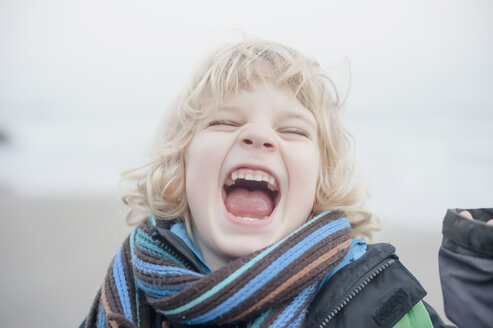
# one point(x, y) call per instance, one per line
point(417, 317)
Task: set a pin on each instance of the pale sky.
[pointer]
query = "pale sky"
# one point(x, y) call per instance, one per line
point(84, 83)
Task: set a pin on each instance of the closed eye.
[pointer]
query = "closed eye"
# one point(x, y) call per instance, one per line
point(296, 131)
point(222, 122)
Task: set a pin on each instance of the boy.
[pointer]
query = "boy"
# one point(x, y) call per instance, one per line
point(252, 205)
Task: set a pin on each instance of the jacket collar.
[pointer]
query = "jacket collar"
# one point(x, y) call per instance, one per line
point(374, 291)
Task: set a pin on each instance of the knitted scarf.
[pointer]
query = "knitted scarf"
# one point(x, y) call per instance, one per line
point(268, 288)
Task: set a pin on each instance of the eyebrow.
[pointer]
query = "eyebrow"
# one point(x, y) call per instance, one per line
point(223, 108)
point(305, 118)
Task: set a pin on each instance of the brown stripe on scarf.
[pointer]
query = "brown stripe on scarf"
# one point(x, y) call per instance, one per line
point(146, 226)
point(148, 257)
point(164, 280)
point(106, 305)
point(293, 279)
point(118, 320)
point(145, 310)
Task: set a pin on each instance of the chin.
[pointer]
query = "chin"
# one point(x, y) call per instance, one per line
point(242, 246)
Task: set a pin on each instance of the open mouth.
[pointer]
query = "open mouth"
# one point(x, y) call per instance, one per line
point(250, 194)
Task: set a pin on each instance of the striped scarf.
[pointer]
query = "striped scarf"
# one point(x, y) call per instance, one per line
point(268, 288)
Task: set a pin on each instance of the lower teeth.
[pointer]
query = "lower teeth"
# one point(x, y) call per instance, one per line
point(246, 218)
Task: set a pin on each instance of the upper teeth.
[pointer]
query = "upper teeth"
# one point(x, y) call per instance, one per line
point(253, 175)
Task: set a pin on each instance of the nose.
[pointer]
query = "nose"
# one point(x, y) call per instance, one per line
point(257, 137)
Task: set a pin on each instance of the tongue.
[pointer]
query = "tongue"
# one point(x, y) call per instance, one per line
point(254, 204)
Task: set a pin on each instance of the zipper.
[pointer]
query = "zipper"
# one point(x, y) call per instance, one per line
point(182, 259)
point(174, 252)
point(363, 283)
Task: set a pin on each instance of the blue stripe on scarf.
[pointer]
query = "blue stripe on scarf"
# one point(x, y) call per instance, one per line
point(271, 271)
point(300, 300)
point(132, 240)
point(160, 291)
point(101, 319)
point(356, 250)
point(152, 218)
point(160, 270)
point(231, 278)
point(121, 285)
point(137, 304)
point(297, 322)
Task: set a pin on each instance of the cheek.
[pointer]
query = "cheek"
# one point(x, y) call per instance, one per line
point(196, 164)
point(303, 171)
point(200, 160)
point(203, 162)
point(305, 166)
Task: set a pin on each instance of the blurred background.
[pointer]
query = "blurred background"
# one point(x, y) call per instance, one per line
point(83, 85)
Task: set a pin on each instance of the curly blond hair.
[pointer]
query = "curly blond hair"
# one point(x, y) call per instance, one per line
point(228, 69)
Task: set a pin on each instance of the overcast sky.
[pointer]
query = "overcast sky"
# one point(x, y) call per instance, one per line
point(83, 84)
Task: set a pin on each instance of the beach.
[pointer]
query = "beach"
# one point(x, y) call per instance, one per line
point(55, 253)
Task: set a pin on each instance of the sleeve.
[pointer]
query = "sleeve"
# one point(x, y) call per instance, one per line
point(466, 268)
point(417, 317)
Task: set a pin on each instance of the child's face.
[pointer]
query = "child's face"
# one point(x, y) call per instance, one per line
point(262, 134)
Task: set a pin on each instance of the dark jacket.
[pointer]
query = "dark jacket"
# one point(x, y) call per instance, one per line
point(466, 268)
point(374, 291)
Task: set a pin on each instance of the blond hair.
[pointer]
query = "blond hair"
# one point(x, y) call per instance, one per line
point(226, 71)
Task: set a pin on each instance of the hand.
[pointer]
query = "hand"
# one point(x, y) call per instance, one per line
point(468, 215)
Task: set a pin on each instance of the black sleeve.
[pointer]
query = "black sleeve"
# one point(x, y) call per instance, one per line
point(466, 268)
